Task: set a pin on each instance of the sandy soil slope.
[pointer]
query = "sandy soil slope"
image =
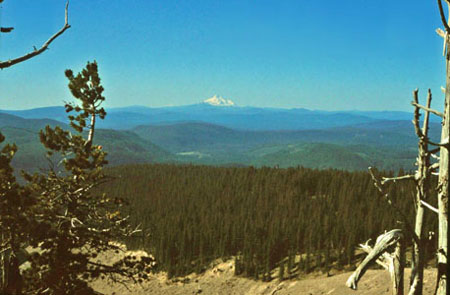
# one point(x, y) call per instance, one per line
point(220, 280)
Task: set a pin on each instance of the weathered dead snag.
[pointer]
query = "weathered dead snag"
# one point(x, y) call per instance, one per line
point(382, 253)
point(422, 179)
point(444, 163)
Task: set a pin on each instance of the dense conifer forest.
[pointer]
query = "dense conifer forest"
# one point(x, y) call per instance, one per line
point(298, 219)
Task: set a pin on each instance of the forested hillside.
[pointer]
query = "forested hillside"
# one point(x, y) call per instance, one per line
point(387, 145)
point(123, 147)
point(198, 135)
point(194, 214)
point(326, 155)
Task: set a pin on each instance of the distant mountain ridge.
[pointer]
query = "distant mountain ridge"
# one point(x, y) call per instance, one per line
point(186, 136)
point(220, 111)
point(228, 134)
point(383, 144)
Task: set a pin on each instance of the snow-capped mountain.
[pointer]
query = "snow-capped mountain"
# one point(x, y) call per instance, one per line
point(219, 101)
point(224, 112)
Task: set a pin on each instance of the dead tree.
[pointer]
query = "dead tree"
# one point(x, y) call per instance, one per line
point(422, 175)
point(443, 184)
point(393, 261)
point(425, 168)
point(36, 51)
point(380, 253)
point(422, 179)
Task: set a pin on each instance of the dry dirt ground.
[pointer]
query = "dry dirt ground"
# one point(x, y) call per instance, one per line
point(220, 280)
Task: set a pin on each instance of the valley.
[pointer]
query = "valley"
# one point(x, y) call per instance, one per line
point(231, 135)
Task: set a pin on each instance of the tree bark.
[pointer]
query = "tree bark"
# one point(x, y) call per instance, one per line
point(417, 263)
point(3, 266)
point(398, 265)
point(90, 138)
point(422, 185)
point(443, 191)
point(443, 185)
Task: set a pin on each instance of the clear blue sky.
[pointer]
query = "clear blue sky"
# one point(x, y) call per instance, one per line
point(330, 55)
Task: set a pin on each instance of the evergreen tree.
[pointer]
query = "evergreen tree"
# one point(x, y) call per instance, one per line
point(59, 215)
point(15, 220)
point(15, 201)
point(281, 272)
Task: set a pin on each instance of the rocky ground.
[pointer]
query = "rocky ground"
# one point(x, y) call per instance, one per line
point(220, 280)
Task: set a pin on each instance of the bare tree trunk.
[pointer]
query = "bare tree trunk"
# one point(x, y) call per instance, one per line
point(90, 138)
point(3, 266)
point(443, 186)
point(422, 185)
point(443, 193)
point(417, 262)
point(398, 266)
point(11, 278)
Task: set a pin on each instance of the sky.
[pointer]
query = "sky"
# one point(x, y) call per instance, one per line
point(326, 55)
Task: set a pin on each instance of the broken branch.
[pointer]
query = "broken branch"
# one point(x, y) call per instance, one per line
point(417, 128)
point(386, 197)
point(394, 179)
point(440, 32)
point(434, 151)
point(437, 113)
point(434, 166)
point(425, 204)
point(11, 62)
point(442, 14)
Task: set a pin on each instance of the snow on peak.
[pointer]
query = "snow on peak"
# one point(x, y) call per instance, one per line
point(219, 101)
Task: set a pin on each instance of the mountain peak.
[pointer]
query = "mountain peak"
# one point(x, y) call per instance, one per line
point(219, 101)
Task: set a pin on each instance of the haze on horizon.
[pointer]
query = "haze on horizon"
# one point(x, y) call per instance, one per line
point(347, 55)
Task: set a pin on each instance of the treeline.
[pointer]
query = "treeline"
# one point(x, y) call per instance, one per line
point(192, 215)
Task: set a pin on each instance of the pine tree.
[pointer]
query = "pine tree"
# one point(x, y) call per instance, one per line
point(59, 215)
point(15, 219)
